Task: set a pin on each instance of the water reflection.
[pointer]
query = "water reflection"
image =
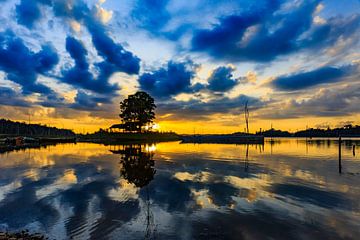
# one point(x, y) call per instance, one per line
point(137, 163)
point(284, 189)
point(138, 168)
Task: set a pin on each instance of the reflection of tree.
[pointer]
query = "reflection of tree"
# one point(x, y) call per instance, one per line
point(137, 164)
point(138, 168)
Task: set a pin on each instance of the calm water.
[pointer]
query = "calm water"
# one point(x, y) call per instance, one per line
point(287, 189)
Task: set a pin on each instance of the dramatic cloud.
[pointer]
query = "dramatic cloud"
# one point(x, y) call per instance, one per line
point(77, 51)
point(84, 101)
point(11, 98)
point(175, 19)
point(114, 54)
point(116, 58)
point(262, 35)
point(168, 81)
point(23, 66)
point(196, 109)
point(337, 101)
point(80, 75)
point(151, 15)
point(318, 76)
point(221, 79)
point(80, 55)
point(28, 11)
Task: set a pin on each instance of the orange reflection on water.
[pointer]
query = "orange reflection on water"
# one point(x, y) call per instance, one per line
point(293, 178)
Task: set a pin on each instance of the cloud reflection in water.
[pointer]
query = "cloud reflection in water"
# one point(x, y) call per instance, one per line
point(289, 189)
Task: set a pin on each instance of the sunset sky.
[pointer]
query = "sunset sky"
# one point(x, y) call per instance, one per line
point(68, 63)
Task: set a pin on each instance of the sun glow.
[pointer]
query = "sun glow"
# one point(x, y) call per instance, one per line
point(150, 148)
point(155, 126)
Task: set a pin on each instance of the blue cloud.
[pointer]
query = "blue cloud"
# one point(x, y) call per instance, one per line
point(116, 58)
point(12, 98)
point(80, 74)
point(112, 53)
point(221, 79)
point(198, 110)
point(168, 81)
point(46, 59)
point(264, 34)
point(23, 66)
point(312, 78)
point(84, 101)
point(176, 78)
point(174, 19)
point(28, 11)
point(151, 14)
point(52, 100)
point(115, 54)
point(222, 41)
point(77, 51)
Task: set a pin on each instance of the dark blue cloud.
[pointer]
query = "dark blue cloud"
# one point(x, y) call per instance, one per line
point(28, 11)
point(52, 100)
point(151, 14)
point(269, 32)
point(11, 98)
point(80, 74)
point(221, 79)
point(198, 110)
point(23, 66)
point(116, 58)
point(315, 77)
point(223, 40)
point(173, 19)
point(335, 29)
point(77, 51)
point(46, 59)
point(113, 53)
point(168, 81)
point(84, 101)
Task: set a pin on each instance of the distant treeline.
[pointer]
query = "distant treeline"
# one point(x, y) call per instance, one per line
point(347, 130)
point(108, 137)
point(8, 127)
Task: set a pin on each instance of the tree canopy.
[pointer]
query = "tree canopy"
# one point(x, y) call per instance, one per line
point(137, 111)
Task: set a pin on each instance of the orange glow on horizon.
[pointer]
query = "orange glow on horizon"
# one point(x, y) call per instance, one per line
point(213, 124)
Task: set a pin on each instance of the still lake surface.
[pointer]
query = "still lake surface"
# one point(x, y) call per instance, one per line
point(284, 189)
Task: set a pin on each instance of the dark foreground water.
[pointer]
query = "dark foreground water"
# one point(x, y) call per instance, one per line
point(286, 189)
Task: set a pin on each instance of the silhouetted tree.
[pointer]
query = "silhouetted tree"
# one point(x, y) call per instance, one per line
point(136, 111)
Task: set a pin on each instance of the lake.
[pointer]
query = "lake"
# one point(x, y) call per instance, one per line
point(284, 189)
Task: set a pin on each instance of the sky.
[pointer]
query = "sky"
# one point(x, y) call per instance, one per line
point(69, 63)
